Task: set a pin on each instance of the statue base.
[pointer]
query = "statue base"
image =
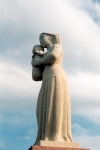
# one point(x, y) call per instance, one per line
point(54, 148)
point(58, 144)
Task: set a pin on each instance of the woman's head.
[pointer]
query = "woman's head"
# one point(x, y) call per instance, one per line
point(47, 38)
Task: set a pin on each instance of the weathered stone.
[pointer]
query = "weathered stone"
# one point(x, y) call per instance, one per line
point(53, 105)
point(58, 144)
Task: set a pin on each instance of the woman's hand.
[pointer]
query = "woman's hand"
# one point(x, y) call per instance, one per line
point(36, 62)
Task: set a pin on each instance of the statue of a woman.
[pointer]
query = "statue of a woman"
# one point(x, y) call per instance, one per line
point(53, 105)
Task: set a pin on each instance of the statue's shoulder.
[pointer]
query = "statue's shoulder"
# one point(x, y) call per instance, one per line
point(58, 46)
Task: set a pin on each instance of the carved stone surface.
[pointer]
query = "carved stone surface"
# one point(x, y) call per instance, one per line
point(53, 105)
point(58, 144)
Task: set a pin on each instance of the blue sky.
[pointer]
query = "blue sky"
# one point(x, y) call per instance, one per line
point(21, 22)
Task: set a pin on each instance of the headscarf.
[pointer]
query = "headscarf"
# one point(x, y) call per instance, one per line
point(56, 39)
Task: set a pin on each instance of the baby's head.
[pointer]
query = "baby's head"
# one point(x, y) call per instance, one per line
point(37, 48)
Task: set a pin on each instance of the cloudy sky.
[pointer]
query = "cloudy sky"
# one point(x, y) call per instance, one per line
point(21, 22)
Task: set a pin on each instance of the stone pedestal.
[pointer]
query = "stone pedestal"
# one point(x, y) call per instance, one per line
point(54, 148)
point(58, 144)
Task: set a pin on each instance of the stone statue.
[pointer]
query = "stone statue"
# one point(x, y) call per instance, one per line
point(53, 105)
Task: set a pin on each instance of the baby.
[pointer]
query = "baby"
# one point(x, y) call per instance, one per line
point(38, 52)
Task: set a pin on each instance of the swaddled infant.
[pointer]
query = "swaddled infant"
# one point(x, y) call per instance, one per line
point(38, 52)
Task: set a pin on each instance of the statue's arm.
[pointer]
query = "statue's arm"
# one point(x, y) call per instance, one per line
point(51, 57)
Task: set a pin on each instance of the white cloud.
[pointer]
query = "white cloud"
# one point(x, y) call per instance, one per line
point(9, 119)
point(85, 95)
point(85, 85)
point(85, 140)
point(93, 8)
point(17, 90)
point(78, 130)
point(79, 32)
point(17, 81)
point(32, 131)
point(89, 112)
point(24, 138)
point(81, 42)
